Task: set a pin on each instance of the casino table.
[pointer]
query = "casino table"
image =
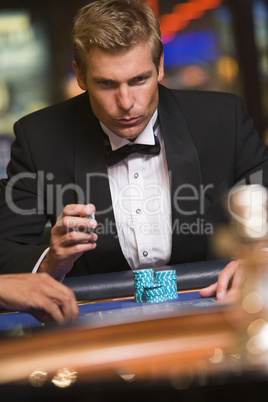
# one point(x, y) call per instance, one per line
point(190, 348)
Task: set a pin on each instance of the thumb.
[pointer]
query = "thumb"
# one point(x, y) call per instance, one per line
point(209, 290)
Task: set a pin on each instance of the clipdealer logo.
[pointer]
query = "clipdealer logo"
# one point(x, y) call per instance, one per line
point(187, 200)
point(48, 195)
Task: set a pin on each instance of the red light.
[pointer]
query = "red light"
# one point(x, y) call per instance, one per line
point(182, 14)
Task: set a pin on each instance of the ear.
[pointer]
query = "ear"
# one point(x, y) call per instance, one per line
point(161, 68)
point(79, 76)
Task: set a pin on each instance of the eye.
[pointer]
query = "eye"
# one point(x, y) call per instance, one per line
point(106, 84)
point(139, 80)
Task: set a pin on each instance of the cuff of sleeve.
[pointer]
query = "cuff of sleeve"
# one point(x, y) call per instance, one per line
point(37, 265)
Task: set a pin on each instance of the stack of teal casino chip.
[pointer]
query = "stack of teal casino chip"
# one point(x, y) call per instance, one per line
point(156, 288)
point(143, 278)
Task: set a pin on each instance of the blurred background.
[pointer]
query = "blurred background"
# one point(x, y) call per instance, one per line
point(218, 45)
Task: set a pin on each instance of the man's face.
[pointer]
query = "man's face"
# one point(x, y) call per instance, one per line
point(123, 88)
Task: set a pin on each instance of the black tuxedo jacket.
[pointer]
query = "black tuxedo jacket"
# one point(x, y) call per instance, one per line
point(58, 159)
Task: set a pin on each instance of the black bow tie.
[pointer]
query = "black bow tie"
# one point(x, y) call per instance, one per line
point(113, 157)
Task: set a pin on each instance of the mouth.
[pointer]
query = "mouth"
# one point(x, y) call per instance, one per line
point(129, 122)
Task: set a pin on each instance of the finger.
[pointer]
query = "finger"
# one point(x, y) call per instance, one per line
point(66, 300)
point(53, 311)
point(73, 210)
point(73, 224)
point(225, 278)
point(69, 306)
point(57, 300)
point(78, 224)
point(239, 277)
point(73, 238)
point(209, 290)
point(78, 210)
point(46, 309)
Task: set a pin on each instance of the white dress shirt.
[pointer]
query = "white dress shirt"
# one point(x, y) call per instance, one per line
point(140, 194)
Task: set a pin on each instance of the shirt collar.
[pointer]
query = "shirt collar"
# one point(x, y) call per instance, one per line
point(146, 137)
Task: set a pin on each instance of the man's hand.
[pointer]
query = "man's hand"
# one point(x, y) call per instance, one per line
point(40, 295)
point(71, 236)
point(231, 277)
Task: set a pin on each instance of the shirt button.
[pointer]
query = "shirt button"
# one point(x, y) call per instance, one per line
point(138, 211)
point(145, 253)
point(136, 175)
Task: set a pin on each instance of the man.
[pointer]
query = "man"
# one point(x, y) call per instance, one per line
point(40, 295)
point(152, 209)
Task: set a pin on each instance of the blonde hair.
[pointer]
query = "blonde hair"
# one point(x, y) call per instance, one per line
point(114, 26)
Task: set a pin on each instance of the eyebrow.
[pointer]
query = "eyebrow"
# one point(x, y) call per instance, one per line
point(142, 74)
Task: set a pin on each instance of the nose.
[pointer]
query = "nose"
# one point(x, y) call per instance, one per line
point(125, 98)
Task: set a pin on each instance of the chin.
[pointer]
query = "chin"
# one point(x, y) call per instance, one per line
point(131, 136)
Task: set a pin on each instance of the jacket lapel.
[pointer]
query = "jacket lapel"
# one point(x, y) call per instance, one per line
point(89, 158)
point(92, 186)
point(185, 178)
